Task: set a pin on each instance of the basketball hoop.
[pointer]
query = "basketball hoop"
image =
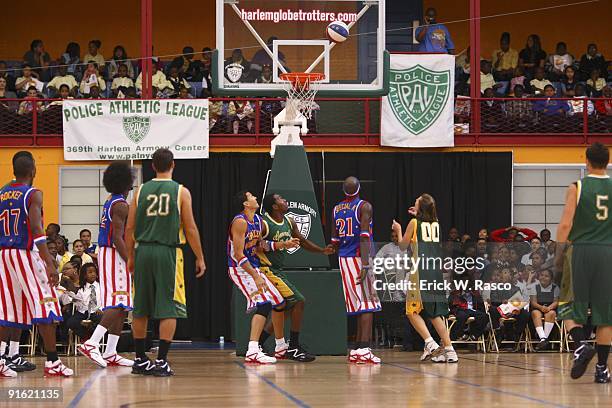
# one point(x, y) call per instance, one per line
point(301, 90)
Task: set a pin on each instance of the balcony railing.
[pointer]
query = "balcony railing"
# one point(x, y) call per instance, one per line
point(353, 121)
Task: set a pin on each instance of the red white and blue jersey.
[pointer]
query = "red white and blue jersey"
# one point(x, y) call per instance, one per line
point(105, 236)
point(251, 239)
point(348, 227)
point(15, 228)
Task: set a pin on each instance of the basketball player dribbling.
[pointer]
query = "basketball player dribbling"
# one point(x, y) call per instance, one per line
point(423, 234)
point(352, 236)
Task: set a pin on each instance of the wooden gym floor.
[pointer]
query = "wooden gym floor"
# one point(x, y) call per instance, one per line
point(215, 378)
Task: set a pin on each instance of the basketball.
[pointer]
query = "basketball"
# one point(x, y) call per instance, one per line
point(337, 31)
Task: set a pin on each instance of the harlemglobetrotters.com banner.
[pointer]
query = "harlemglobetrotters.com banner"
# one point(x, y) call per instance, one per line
point(132, 129)
point(418, 111)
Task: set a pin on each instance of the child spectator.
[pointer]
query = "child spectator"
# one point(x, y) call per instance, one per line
point(536, 244)
point(52, 247)
point(64, 93)
point(550, 107)
point(38, 58)
point(121, 82)
point(91, 78)
point(517, 79)
point(119, 57)
point(576, 105)
point(491, 110)
point(519, 110)
point(158, 79)
point(568, 83)
point(604, 106)
point(464, 304)
point(94, 93)
point(62, 77)
point(590, 61)
point(556, 63)
point(539, 82)
point(544, 301)
point(4, 92)
point(87, 303)
point(538, 259)
point(72, 58)
point(532, 56)
point(595, 84)
point(486, 78)
point(63, 255)
point(27, 79)
point(266, 75)
point(4, 74)
point(30, 103)
point(525, 279)
point(94, 55)
point(90, 248)
point(78, 248)
point(505, 61)
point(176, 80)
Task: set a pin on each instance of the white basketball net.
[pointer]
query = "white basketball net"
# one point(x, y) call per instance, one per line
point(301, 92)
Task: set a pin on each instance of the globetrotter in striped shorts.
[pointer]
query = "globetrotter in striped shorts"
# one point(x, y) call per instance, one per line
point(115, 279)
point(352, 236)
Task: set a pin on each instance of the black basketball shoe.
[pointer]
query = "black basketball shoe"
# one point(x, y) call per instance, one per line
point(162, 369)
point(602, 374)
point(582, 357)
point(143, 366)
point(297, 353)
point(19, 364)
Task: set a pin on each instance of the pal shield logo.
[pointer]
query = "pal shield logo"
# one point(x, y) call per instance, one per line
point(303, 222)
point(418, 96)
point(136, 128)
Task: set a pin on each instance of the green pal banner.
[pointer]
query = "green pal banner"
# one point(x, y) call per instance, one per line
point(290, 177)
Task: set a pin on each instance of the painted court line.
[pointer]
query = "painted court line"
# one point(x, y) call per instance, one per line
point(92, 379)
point(480, 386)
point(271, 383)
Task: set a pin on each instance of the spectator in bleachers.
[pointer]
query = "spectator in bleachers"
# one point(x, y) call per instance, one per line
point(78, 249)
point(92, 78)
point(91, 249)
point(185, 63)
point(94, 93)
point(52, 231)
point(544, 302)
point(486, 77)
point(505, 61)
point(538, 83)
point(261, 57)
point(63, 93)
point(568, 82)
point(536, 244)
point(237, 68)
point(52, 248)
point(94, 54)
point(158, 78)
point(63, 255)
point(27, 79)
point(525, 279)
point(557, 62)
point(545, 235)
point(266, 75)
point(538, 259)
point(519, 110)
point(517, 79)
point(4, 92)
point(510, 233)
point(532, 56)
point(120, 57)
point(87, 302)
point(434, 37)
point(464, 304)
point(176, 80)
point(550, 109)
point(576, 105)
point(6, 75)
point(491, 110)
point(184, 93)
point(31, 102)
point(244, 119)
point(62, 78)
point(483, 233)
point(604, 106)
point(122, 81)
point(70, 277)
point(39, 59)
point(72, 58)
point(595, 84)
point(590, 61)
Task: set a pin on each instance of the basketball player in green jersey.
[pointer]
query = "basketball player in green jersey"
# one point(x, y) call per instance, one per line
point(159, 219)
point(586, 223)
point(280, 228)
point(423, 235)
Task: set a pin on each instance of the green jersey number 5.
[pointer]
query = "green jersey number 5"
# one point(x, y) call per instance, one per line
point(602, 207)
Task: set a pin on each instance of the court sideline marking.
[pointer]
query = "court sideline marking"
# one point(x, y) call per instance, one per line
point(476, 385)
point(92, 379)
point(271, 383)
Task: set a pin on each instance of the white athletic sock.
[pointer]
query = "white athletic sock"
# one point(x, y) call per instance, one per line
point(13, 348)
point(3, 348)
point(280, 342)
point(253, 346)
point(429, 340)
point(449, 348)
point(111, 345)
point(548, 326)
point(97, 334)
point(540, 331)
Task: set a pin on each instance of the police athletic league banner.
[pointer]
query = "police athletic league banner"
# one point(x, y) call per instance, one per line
point(132, 129)
point(418, 111)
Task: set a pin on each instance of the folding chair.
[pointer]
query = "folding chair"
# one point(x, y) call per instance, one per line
point(560, 342)
point(479, 342)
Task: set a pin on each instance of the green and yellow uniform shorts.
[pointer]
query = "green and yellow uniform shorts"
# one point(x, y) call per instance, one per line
point(159, 282)
point(287, 289)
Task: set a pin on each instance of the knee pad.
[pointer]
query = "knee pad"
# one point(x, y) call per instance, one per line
point(264, 310)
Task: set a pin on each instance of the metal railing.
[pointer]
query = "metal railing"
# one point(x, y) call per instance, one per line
point(352, 121)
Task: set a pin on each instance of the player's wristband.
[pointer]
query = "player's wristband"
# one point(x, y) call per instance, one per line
point(365, 234)
point(335, 239)
point(41, 239)
point(274, 246)
point(242, 261)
